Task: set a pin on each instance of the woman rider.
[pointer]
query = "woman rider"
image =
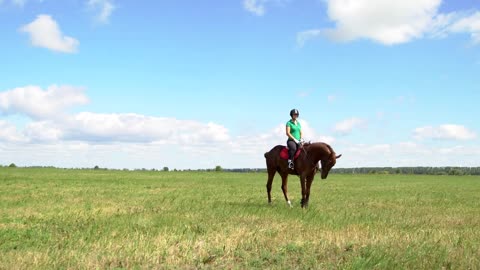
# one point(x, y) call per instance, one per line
point(294, 134)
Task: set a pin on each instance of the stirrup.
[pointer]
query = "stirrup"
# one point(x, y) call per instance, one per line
point(290, 164)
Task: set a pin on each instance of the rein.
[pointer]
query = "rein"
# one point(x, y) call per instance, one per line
point(306, 154)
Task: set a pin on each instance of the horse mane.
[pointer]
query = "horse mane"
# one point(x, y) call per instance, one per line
point(322, 144)
point(332, 153)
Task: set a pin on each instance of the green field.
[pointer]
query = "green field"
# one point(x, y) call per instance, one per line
point(84, 219)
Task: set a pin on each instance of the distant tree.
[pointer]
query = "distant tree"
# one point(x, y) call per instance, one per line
point(12, 165)
point(165, 169)
point(218, 168)
point(96, 167)
point(455, 171)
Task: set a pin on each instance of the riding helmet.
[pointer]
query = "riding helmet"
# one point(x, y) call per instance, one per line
point(294, 111)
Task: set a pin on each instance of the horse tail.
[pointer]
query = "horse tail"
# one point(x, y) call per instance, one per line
point(266, 153)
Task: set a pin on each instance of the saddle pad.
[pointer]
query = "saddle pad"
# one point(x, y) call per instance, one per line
point(284, 153)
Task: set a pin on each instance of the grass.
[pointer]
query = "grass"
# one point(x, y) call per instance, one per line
point(77, 219)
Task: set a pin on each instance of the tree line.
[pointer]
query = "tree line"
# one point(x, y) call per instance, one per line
point(392, 170)
point(411, 170)
point(362, 170)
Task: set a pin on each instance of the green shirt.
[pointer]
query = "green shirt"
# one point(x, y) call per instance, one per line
point(294, 129)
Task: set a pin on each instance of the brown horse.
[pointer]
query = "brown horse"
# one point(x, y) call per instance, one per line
point(306, 166)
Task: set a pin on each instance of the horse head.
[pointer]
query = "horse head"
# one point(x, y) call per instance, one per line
point(328, 164)
point(328, 161)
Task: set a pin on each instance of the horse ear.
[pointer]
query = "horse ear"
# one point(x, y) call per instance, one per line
point(339, 156)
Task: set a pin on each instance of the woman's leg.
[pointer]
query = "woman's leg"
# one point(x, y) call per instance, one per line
point(292, 149)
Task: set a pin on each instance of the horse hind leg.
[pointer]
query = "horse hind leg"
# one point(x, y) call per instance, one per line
point(271, 174)
point(285, 188)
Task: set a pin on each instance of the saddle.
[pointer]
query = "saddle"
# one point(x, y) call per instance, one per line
point(284, 153)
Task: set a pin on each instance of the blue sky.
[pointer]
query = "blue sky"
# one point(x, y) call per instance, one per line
point(195, 84)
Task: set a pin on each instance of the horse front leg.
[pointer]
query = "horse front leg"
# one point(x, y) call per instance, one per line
point(304, 190)
point(285, 189)
point(307, 190)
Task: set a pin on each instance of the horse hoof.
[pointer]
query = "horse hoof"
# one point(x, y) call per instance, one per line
point(290, 204)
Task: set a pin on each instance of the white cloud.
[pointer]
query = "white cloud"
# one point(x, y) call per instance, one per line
point(444, 132)
point(309, 133)
point(130, 141)
point(9, 133)
point(37, 103)
point(104, 7)
point(130, 128)
point(347, 126)
point(123, 155)
point(44, 32)
point(387, 22)
point(57, 137)
point(49, 108)
point(255, 6)
point(120, 140)
point(469, 24)
point(244, 154)
point(365, 149)
point(391, 22)
point(43, 131)
point(304, 36)
point(88, 126)
point(441, 22)
point(277, 135)
point(327, 139)
point(405, 154)
point(139, 141)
